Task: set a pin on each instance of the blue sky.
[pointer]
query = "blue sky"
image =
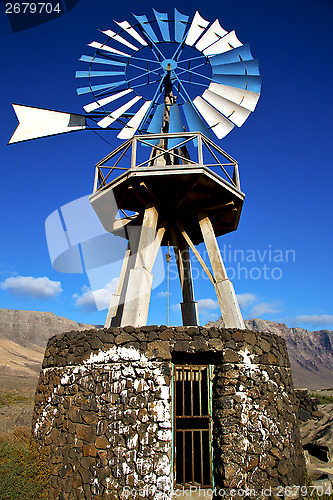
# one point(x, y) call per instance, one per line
point(280, 256)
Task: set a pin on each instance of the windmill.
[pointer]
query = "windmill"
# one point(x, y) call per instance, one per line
point(168, 87)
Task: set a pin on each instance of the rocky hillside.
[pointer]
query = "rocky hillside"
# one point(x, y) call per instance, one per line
point(310, 353)
point(23, 338)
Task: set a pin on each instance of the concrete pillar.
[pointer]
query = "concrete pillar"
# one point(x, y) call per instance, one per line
point(140, 280)
point(115, 311)
point(224, 289)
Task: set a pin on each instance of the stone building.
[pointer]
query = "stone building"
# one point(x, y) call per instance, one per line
point(147, 412)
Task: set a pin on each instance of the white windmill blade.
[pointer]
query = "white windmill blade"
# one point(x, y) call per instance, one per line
point(245, 98)
point(214, 33)
point(125, 25)
point(105, 47)
point(105, 122)
point(119, 39)
point(219, 124)
point(102, 102)
point(232, 111)
point(228, 42)
point(131, 127)
point(38, 122)
point(198, 26)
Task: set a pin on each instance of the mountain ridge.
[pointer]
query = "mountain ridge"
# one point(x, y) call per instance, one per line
point(310, 352)
point(24, 335)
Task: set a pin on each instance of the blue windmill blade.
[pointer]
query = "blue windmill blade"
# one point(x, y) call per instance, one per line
point(195, 123)
point(163, 24)
point(100, 60)
point(146, 27)
point(252, 83)
point(156, 124)
point(241, 53)
point(180, 26)
point(94, 88)
point(239, 68)
point(88, 74)
point(175, 125)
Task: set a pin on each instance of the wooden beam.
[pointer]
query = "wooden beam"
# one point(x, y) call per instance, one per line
point(224, 289)
point(195, 251)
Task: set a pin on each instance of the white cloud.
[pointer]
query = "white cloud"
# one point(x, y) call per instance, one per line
point(36, 288)
point(175, 307)
point(205, 305)
point(162, 294)
point(246, 299)
point(262, 308)
point(90, 300)
point(316, 320)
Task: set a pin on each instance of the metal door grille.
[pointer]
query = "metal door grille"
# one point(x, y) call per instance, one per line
point(192, 425)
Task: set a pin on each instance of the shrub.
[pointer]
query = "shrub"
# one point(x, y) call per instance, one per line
point(23, 474)
point(9, 399)
point(322, 399)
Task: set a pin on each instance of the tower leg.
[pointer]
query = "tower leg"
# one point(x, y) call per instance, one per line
point(138, 289)
point(189, 306)
point(225, 292)
point(117, 300)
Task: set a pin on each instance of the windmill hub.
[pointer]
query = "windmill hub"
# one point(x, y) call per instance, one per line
point(169, 64)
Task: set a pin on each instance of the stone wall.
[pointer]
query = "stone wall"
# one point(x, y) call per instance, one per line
point(103, 410)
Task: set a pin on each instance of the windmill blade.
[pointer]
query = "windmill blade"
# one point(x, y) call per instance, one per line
point(99, 60)
point(229, 109)
point(195, 123)
point(129, 130)
point(156, 124)
point(241, 53)
point(38, 122)
point(220, 125)
point(105, 122)
point(215, 32)
point(88, 74)
point(119, 39)
point(252, 83)
point(198, 26)
point(146, 27)
point(180, 25)
point(125, 25)
point(94, 88)
point(163, 24)
point(228, 42)
point(175, 125)
point(105, 47)
point(244, 98)
point(239, 68)
point(102, 102)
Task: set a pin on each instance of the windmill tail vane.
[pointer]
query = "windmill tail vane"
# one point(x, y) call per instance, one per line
point(212, 75)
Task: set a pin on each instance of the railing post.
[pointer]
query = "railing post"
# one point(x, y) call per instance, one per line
point(200, 152)
point(133, 156)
